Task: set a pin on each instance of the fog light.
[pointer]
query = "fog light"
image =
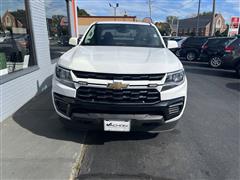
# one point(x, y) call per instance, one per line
point(175, 108)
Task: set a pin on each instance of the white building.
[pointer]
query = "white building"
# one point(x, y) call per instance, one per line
point(33, 34)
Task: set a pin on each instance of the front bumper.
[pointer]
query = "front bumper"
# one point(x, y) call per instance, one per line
point(155, 117)
point(160, 116)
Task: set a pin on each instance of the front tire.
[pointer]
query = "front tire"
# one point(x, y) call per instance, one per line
point(191, 56)
point(215, 62)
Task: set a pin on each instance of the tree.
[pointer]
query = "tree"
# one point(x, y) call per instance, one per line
point(217, 34)
point(164, 28)
point(225, 33)
point(171, 19)
point(20, 15)
point(82, 12)
point(193, 15)
point(206, 13)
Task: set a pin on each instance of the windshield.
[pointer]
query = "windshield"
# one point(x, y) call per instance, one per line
point(123, 35)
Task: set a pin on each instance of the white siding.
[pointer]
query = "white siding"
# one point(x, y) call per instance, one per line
point(17, 92)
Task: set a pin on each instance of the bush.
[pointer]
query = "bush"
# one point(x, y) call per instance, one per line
point(3, 61)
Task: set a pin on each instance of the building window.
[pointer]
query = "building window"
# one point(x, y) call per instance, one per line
point(58, 27)
point(16, 51)
point(218, 24)
point(8, 20)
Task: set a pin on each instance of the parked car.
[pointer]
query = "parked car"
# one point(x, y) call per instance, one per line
point(191, 48)
point(179, 41)
point(213, 50)
point(231, 57)
point(120, 77)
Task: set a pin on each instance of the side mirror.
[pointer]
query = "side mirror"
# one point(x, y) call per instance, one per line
point(172, 44)
point(73, 41)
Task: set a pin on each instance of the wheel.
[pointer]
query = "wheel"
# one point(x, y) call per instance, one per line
point(191, 56)
point(215, 62)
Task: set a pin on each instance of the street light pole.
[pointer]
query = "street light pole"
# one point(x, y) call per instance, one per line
point(114, 8)
point(199, 4)
point(150, 8)
point(177, 26)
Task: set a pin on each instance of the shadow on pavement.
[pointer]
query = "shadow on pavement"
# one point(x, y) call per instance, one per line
point(195, 64)
point(98, 137)
point(39, 117)
point(212, 72)
point(233, 86)
point(118, 177)
point(203, 68)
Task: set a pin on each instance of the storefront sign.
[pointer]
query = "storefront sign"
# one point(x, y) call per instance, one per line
point(234, 26)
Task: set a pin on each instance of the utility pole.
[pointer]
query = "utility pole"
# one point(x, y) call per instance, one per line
point(114, 8)
point(150, 8)
point(177, 26)
point(199, 4)
point(212, 29)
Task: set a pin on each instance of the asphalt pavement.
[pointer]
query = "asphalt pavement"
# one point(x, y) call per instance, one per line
point(204, 145)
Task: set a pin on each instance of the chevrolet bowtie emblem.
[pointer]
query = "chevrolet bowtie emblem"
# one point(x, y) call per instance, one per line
point(117, 85)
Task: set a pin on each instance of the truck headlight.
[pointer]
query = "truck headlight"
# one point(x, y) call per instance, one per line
point(64, 76)
point(174, 79)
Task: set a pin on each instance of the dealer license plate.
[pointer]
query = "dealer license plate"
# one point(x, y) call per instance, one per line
point(121, 126)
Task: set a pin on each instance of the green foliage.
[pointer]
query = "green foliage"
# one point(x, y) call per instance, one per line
point(225, 33)
point(82, 12)
point(56, 20)
point(171, 19)
point(3, 61)
point(206, 13)
point(164, 28)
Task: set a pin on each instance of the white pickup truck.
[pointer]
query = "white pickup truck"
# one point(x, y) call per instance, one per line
point(120, 77)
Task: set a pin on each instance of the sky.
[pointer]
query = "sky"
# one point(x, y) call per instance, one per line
point(160, 8)
point(139, 8)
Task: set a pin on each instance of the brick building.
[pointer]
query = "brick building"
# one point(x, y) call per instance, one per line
point(188, 26)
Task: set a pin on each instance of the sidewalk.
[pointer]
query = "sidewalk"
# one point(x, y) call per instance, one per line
point(35, 145)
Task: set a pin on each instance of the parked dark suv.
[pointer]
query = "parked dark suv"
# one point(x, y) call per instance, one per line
point(213, 50)
point(231, 58)
point(191, 47)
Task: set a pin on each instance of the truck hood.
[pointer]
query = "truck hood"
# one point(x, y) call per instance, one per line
point(121, 60)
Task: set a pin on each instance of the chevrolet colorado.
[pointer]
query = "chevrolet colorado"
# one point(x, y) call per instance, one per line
point(120, 77)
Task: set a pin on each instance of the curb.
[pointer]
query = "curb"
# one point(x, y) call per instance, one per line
point(78, 162)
